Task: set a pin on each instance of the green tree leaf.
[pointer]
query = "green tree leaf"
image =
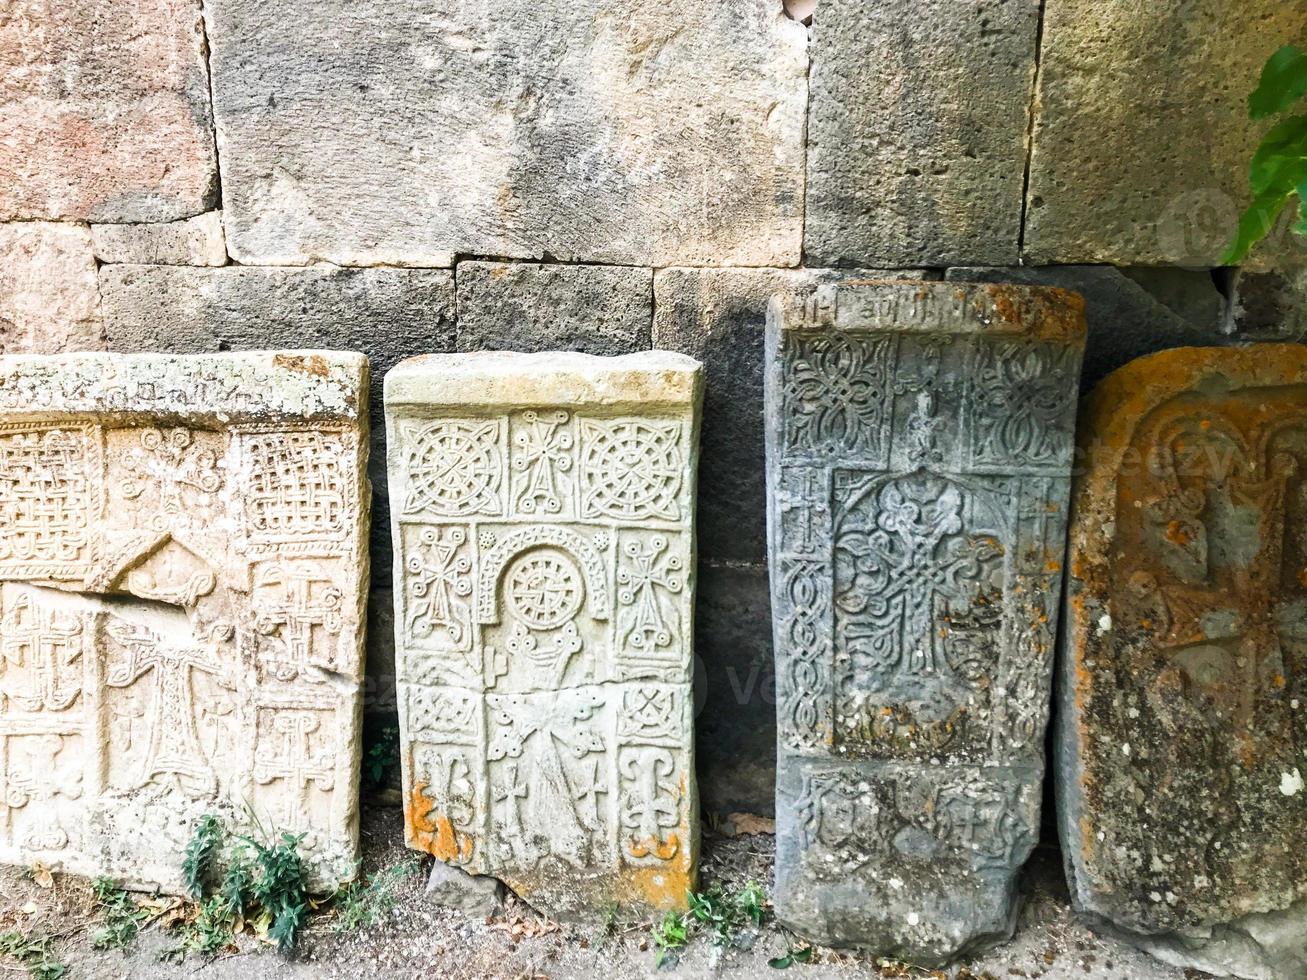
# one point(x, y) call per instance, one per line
point(1284, 82)
point(1254, 225)
point(1280, 163)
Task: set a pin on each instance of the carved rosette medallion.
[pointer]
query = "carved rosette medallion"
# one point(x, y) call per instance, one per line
point(544, 590)
point(918, 463)
point(182, 572)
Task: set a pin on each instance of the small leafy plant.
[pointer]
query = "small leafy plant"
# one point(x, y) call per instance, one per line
point(1278, 172)
point(793, 954)
point(669, 935)
point(201, 852)
point(263, 884)
point(381, 759)
point(34, 953)
point(360, 905)
point(723, 913)
point(278, 887)
point(121, 918)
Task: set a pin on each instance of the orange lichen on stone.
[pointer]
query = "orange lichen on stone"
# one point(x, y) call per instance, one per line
point(1183, 568)
point(434, 832)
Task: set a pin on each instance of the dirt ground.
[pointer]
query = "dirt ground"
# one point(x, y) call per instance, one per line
point(418, 939)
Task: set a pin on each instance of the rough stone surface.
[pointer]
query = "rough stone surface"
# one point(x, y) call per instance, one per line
point(594, 309)
point(1130, 312)
point(104, 111)
point(1268, 305)
point(194, 241)
point(543, 595)
point(182, 574)
point(917, 131)
point(1142, 137)
point(476, 895)
point(389, 314)
point(654, 133)
point(49, 294)
point(1182, 742)
point(735, 691)
point(919, 450)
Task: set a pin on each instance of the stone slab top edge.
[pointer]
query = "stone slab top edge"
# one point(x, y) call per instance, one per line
point(228, 387)
point(505, 378)
point(1130, 390)
point(1035, 312)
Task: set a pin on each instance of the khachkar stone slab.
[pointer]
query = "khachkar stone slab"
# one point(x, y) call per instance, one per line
point(1182, 735)
point(182, 573)
point(543, 515)
point(918, 462)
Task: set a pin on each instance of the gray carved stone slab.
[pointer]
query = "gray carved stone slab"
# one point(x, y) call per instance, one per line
point(183, 566)
point(543, 514)
point(918, 460)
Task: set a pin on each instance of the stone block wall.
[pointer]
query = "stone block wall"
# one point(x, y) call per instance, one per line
point(608, 177)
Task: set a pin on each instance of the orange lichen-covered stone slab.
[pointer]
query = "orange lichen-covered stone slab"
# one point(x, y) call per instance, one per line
point(544, 585)
point(1183, 733)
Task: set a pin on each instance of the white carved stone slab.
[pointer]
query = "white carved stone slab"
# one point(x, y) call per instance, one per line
point(182, 575)
point(543, 516)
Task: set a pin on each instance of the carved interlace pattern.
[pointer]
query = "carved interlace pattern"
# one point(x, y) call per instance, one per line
point(835, 392)
point(631, 469)
point(455, 468)
point(45, 505)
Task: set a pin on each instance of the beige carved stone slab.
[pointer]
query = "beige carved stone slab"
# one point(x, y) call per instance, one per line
point(182, 575)
point(543, 515)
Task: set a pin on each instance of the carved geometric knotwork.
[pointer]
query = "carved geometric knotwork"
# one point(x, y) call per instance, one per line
point(202, 652)
point(918, 468)
point(546, 588)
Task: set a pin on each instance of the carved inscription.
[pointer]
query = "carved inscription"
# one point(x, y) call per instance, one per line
point(546, 582)
point(918, 430)
point(203, 649)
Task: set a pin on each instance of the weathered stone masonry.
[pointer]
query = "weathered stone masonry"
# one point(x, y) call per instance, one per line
point(449, 176)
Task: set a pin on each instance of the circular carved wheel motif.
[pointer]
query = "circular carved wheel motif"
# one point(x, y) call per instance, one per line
point(638, 470)
point(544, 589)
point(454, 469)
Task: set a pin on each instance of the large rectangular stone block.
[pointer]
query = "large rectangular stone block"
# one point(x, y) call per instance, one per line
point(49, 292)
point(1182, 738)
point(917, 131)
point(918, 464)
point(183, 567)
point(657, 132)
point(521, 306)
point(104, 111)
point(1141, 138)
point(543, 527)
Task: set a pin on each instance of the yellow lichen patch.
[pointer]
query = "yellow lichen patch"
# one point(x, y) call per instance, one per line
point(658, 888)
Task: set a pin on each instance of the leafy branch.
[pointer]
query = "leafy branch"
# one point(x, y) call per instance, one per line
point(1278, 172)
